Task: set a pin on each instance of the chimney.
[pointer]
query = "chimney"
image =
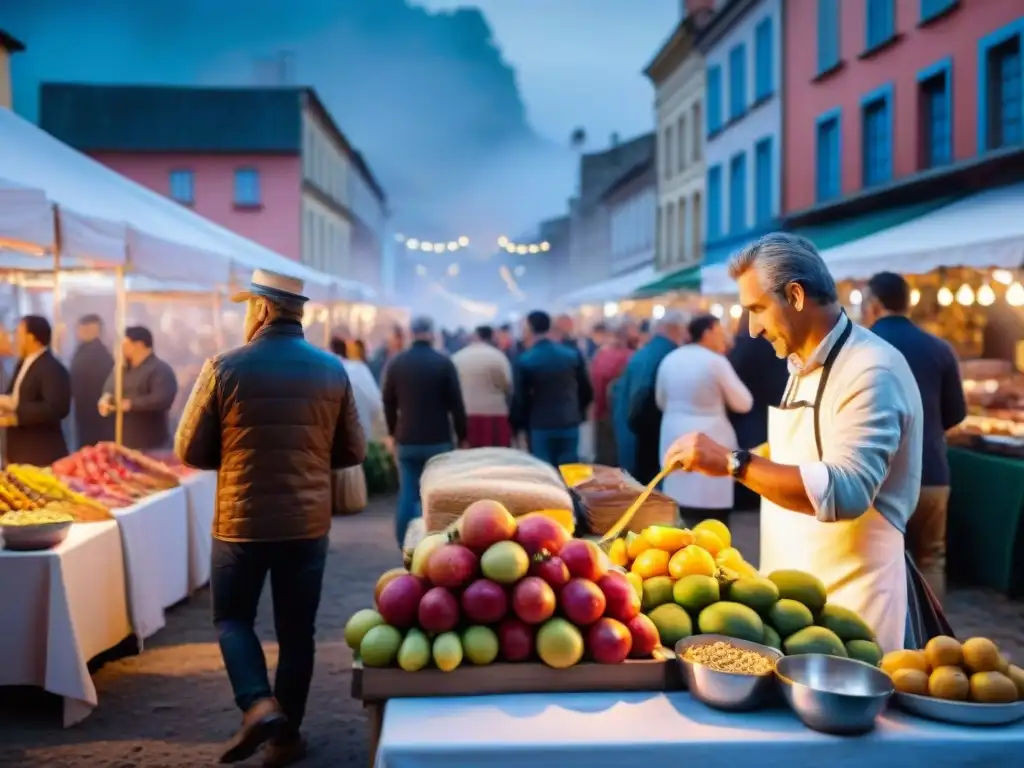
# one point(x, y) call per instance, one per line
point(8, 46)
point(692, 7)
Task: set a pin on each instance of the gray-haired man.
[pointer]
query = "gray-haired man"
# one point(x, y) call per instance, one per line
point(845, 444)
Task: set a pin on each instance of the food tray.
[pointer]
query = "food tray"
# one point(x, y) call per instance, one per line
point(34, 538)
point(960, 712)
point(381, 684)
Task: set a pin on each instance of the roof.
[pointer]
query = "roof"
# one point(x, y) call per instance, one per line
point(600, 171)
point(713, 32)
point(161, 118)
point(634, 173)
point(10, 43)
point(677, 47)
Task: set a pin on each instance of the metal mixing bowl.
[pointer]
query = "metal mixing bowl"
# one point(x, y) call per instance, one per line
point(31, 538)
point(732, 691)
point(832, 694)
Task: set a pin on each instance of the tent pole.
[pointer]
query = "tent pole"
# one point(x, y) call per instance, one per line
point(218, 324)
point(120, 321)
point(58, 246)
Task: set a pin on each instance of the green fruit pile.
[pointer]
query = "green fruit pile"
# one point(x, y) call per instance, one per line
point(787, 610)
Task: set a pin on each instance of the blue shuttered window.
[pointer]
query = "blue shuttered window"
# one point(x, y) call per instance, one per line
point(182, 186)
point(738, 194)
point(763, 59)
point(828, 178)
point(932, 8)
point(828, 35)
point(737, 81)
point(876, 140)
point(247, 187)
point(936, 120)
point(715, 202)
point(714, 98)
point(763, 181)
point(1005, 91)
point(881, 22)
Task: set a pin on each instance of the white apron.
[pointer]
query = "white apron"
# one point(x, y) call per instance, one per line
point(860, 561)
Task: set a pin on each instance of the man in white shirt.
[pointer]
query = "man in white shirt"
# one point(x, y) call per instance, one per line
point(845, 444)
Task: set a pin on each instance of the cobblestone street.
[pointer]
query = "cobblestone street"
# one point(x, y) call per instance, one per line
point(171, 706)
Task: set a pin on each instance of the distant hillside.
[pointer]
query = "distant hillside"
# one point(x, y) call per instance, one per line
point(426, 97)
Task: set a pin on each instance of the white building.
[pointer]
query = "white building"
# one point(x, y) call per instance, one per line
point(632, 204)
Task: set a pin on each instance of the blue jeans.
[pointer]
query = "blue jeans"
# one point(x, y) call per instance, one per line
point(411, 460)
point(238, 572)
point(556, 446)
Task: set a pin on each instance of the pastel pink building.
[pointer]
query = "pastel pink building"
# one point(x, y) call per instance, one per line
point(880, 94)
point(267, 163)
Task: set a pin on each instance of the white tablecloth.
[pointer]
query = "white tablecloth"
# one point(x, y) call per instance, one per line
point(615, 730)
point(201, 492)
point(59, 609)
point(155, 536)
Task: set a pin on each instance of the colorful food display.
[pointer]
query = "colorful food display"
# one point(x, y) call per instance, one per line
point(974, 671)
point(26, 489)
point(112, 475)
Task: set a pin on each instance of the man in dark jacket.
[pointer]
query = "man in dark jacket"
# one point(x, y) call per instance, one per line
point(274, 417)
point(551, 393)
point(423, 406)
point(937, 371)
point(90, 367)
point(38, 398)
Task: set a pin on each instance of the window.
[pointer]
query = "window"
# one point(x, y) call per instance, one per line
point(935, 116)
point(183, 187)
point(828, 35)
point(828, 179)
point(738, 194)
point(666, 146)
point(681, 144)
point(880, 17)
point(1004, 110)
point(247, 187)
point(714, 100)
point(763, 59)
point(695, 216)
point(737, 81)
point(670, 231)
point(681, 222)
point(763, 180)
point(876, 137)
point(698, 135)
point(715, 202)
point(931, 9)
point(659, 256)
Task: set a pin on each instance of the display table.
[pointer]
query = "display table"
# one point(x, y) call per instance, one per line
point(155, 536)
point(985, 529)
point(200, 494)
point(665, 729)
point(60, 608)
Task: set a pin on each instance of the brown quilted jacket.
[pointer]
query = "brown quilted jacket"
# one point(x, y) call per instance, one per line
point(273, 417)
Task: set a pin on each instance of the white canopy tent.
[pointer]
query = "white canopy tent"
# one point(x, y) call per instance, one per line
point(613, 289)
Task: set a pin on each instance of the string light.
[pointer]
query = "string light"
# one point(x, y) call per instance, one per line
point(659, 311)
point(1003, 276)
point(611, 309)
point(965, 295)
point(915, 297)
point(717, 310)
point(1015, 295)
point(986, 296)
point(856, 297)
point(429, 246)
point(523, 248)
point(735, 311)
point(944, 297)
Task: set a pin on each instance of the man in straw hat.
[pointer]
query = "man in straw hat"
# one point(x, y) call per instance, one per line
point(273, 417)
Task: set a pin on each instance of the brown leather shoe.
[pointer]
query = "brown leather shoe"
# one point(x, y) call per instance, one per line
point(263, 721)
point(285, 751)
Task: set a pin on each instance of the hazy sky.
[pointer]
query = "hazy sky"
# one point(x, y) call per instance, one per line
point(580, 62)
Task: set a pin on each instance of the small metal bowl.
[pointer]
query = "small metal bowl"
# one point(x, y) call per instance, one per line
point(32, 538)
point(731, 691)
point(832, 694)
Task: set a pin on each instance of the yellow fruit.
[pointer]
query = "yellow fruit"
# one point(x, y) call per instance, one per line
point(1016, 674)
point(563, 517)
point(949, 683)
point(717, 527)
point(653, 562)
point(575, 474)
point(705, 539)
point(637, 546)
point(992, 688)
point(729, 557)
point(666, 538)
point(617, 553)
point(910, 681)
point(943, 651)
point(637, 583)
point(904, 660)
point(981, 655)
point(747, 570)
point(691, 561)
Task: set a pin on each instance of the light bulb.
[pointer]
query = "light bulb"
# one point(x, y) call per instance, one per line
point(545, 246)
point(521, 250)
point(463, 241)
point(502, 241)
point(855, 297)
point(1003, 276)
point(1015, 295)
point(717, 310)
point(945, 297)
point(426, 246)
point(915, 297)
point(659, 311)
point(735, 311)
point(986, 296)
point(438, 247)
point(453, 246)
point(965, 295)
point(611, 309)
point(534, 249)
point(412, 243)
point(510, 247)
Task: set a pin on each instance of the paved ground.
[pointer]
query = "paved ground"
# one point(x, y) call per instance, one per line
point(171, 706)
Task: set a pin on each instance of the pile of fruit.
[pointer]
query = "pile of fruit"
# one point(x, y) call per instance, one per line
point(975, 671)
point(694, 582)
point(112, 475)
point(500, 587)
point(24, 488)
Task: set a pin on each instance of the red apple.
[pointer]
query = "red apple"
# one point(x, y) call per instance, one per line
point(537, 531)
point(583, 559)
point(623, 603)
point(551, 568)
point(533, 600)
point(582, 602)
point(452, 566)
point(438, 611)
point(645, 636)
point(515, 640)
point(400, 600)
point(484, 523)
point(484, 602)
point(609, 641)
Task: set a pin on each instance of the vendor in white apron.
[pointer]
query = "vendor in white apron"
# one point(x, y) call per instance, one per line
point(842, 472)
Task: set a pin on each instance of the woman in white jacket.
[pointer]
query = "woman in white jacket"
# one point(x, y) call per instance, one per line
point(695, 385)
